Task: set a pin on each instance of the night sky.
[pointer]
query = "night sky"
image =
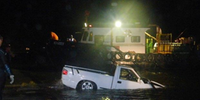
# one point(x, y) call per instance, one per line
point(27, 21)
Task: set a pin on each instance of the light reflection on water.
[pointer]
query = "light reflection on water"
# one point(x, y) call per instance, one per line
point(105, 95)
point(147, 94)
point(140, 94)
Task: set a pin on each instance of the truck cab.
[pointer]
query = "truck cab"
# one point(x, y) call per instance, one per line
point(127, 78)
point(124, 77)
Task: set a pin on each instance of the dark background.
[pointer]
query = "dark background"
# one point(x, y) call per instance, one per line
point(26, 21)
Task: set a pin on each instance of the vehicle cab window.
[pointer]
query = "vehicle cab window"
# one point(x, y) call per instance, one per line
point(91, 36)
point(120, 38)
point(126, 74)
point(135, 39)
point(85, 35)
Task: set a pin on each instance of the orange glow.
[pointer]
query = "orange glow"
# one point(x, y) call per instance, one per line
point(54, 36)
point(90, 25)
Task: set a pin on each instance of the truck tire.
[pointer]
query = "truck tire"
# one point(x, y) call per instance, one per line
point(118, 56)
point(138, 58)
point(86, 85)
point(150, 57)
point(109, 56)
point(127, 56)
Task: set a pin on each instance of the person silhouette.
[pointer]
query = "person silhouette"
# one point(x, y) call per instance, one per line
point(4, 70)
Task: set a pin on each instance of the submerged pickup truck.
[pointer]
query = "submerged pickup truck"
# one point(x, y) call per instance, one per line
point(119, 77)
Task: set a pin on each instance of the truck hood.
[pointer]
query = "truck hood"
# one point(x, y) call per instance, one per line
point(154, 84)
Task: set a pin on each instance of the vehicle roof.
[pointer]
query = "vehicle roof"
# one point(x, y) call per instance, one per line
point(126, 66)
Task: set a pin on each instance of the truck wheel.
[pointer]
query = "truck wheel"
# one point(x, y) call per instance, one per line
point(110, 56)
point(127, 56)
point(86, 85)
point(118, 56)
point(138, 58)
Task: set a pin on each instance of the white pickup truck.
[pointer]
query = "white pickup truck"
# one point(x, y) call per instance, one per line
point(121, 77)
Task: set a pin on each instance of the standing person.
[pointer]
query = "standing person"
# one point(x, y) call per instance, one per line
point(8, 55)
point(4, 70)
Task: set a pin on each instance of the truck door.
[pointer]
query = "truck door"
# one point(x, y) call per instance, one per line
point(127, 79)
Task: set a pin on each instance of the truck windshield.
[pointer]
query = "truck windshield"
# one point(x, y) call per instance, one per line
point(126, 74)
point(113, 49)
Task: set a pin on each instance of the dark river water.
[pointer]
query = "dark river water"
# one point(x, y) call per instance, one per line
point(116, 95)
point(69, 94)
point(161, 94)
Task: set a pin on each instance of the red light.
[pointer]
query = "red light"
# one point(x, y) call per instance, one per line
point(64, 72)
point(90, 25)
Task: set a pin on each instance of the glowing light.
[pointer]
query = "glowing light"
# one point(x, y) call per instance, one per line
point(54, 36)
point(90, 25)
point(27, 48)
point(85, 24)
point(118, 24)
point(65, 72)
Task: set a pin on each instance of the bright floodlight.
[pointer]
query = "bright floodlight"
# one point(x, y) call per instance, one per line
point(118, 24)
point(85, 24)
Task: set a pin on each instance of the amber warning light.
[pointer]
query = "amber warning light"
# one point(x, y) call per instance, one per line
point(90, 25)
point(64, 72)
